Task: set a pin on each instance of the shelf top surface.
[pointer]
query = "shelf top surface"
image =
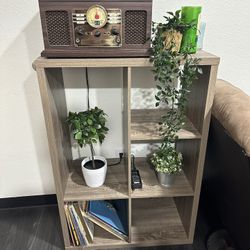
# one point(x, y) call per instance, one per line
point(43, 62)
point(115, 186)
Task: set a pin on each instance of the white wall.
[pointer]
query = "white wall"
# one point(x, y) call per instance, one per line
point(24, 156)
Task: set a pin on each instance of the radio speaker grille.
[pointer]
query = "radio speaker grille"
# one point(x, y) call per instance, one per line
point(57, 23)
point(135, 26)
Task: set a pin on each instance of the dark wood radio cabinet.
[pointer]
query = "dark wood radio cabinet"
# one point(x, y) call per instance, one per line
point(96, 28)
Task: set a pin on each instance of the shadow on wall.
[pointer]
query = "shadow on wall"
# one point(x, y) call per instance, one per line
point(24, 104)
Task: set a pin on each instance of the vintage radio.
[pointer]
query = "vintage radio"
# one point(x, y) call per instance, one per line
point(107, 28)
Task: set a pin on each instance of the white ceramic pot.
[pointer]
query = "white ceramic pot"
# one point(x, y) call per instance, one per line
point(94, 177)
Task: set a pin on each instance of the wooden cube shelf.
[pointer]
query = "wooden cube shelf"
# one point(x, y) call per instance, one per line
point(156, 215)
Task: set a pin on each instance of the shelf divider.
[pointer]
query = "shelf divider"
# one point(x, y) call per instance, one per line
point(126, 136)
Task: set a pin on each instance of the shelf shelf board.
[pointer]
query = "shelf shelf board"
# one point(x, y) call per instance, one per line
point(115, 186)
point(102, 238)
point(42, 62)
point(157, 222)
point(151, 187)
point(145, 128)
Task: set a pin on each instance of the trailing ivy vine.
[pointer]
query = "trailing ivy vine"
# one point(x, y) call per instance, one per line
point(174, 73)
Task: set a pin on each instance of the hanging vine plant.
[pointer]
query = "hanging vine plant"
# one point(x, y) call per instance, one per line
point(174, 72)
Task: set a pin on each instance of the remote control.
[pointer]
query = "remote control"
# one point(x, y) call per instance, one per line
point(136, 182)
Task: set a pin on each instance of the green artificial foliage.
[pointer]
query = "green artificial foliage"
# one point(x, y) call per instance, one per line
point(170, 68)
point(174, 22)
point(167, 160)
point(88, 127)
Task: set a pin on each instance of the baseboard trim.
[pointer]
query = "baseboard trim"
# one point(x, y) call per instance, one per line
point(26, 201)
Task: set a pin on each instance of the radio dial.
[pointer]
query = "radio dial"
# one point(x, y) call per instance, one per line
point(97, 16)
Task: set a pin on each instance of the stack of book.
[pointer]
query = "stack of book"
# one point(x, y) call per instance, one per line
point(111, 215)
point(81, 230)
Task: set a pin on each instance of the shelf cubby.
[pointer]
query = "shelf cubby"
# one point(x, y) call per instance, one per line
point(145, 128)
point(157, 222)
point(101, 237)
point(115, 186)
point(157, 215)
point(151, 187)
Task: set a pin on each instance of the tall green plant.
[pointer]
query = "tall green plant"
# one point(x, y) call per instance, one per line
point(171, 67)
point(88, 127)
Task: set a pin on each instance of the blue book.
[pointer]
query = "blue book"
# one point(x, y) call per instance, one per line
point(112, 212)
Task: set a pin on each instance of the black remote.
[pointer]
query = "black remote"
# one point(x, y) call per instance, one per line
point(136, 182)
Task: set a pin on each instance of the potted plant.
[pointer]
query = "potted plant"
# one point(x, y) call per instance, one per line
point(171, 32)
point(167, 162)
point(88, 127)
point(168, 71)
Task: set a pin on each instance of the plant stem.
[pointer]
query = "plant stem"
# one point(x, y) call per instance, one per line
point(92, 154)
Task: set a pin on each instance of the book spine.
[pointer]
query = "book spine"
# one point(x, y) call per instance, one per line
point(84, 227)
point(76, 240)
point(80, 222)
point(69, 227)
point(89, 224)
point(75, 222)
point(90, 228)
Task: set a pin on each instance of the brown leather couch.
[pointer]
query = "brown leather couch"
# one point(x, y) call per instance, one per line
point(226, 181)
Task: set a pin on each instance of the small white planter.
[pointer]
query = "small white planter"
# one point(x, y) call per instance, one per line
point(94, 177)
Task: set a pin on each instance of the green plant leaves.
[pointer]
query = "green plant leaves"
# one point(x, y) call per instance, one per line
point(167, 160)
point(88, 127)
point(90, 122)
point(167, 72)
point(78, 135)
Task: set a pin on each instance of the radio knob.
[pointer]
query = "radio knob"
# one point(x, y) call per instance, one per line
point(80, 31)
point(97, 33)
point(114, 32)
point(118, 40)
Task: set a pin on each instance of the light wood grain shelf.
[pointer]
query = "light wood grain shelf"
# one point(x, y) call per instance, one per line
point(156, 215)
point(102, 238)
point(151, 187)
point(115, 186)
point(145, 128)
point(41, 62)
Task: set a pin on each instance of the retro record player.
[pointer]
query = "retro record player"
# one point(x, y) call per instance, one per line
point(104, 28)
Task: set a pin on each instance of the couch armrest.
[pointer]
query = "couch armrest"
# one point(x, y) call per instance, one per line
point(231, 108)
